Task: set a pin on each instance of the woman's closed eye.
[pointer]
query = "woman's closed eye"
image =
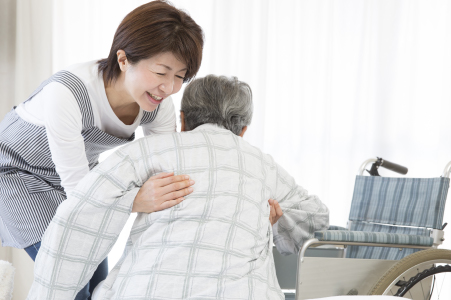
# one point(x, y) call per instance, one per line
point(164, 74)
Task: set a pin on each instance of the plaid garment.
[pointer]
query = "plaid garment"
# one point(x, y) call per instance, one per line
point(216, 244)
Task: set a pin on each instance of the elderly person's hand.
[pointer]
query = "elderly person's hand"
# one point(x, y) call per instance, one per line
point(275, 212)
point(162, 191)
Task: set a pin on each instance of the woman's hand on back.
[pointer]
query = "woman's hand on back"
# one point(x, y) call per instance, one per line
point(275, 211)
point(162, 191)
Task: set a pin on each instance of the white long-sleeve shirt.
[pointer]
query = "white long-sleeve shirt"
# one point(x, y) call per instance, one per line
point(56, 109)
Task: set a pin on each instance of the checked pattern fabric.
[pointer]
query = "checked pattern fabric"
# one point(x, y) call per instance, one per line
point(216, 244)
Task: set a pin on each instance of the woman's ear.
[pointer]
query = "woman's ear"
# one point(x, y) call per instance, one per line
point(182, 121)
point(122, 60)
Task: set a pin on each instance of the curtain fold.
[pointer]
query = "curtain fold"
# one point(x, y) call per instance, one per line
point(337, 82)
point(334, 82)
point(34, 45)
point(7, 55)
point(26, 41)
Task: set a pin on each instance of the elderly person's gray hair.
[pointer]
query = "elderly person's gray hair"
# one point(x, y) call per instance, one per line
point(219, 100)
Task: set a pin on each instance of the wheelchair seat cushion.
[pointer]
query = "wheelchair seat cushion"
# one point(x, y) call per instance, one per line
point(373, 237)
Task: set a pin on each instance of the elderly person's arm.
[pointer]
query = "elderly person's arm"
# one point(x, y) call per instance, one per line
point(303, 214)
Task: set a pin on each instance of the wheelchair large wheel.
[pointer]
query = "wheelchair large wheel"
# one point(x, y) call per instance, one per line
point(421, 275)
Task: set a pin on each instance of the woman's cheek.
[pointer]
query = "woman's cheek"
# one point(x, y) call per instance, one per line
point(177, 87)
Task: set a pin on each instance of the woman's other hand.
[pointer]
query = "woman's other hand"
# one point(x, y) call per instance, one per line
point(275, 211)
point(162, 191)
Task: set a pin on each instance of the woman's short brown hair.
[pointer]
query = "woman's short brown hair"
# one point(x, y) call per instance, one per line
point(153, 28)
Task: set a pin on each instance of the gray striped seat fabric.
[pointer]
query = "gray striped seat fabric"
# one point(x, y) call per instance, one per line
point(373, 237)
point(415, 202)
point(385, 252)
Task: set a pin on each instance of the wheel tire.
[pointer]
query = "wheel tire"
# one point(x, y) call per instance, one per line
point(405, 264)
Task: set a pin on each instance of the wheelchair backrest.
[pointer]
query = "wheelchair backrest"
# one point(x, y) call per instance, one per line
point(418, 202)
point(396, 205)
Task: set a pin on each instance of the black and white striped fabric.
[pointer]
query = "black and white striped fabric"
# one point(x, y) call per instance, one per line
point(30, 187)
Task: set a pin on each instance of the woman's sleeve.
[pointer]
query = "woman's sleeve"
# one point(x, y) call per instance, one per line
point(164, 121)
point(63, 124)
point(303, 214)
point(86, 226)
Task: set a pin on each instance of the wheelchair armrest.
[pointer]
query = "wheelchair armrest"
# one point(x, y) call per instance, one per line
point(364, 238)
point(335, 227)
point(373, 237)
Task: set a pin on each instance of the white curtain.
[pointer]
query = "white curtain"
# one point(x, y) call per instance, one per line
point(7, 54)
point(334, 82)
point(26, 49)
point(25, 60)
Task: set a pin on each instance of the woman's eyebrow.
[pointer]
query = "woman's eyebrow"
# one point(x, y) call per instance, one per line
point(170, 69)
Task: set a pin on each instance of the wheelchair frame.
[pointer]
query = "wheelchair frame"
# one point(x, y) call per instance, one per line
point(323, 268)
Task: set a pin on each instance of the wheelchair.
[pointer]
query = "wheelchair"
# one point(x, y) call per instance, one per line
point(389, 246)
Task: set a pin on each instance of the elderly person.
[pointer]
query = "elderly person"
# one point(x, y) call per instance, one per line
point(216, 244)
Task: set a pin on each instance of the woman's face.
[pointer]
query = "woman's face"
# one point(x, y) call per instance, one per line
point(151, 80)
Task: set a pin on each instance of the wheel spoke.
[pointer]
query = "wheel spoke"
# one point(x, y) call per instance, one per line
point(431, 288)
point(440, 292)
point(422, 290)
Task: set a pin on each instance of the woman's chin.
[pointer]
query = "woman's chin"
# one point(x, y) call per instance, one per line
point(148, 105)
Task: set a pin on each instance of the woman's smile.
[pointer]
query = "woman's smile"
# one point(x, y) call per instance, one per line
point(154, 98)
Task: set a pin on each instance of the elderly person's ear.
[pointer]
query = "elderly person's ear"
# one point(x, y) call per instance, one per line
point(182, 121)
point(242, 131)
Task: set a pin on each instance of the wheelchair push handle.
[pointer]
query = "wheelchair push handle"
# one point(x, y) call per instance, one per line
point(394, 167)
point(380, 162)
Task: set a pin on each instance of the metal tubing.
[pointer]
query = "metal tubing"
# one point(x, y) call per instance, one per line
point(316, 241)
point(364, 164)
point(447, 170)
point(301, 259)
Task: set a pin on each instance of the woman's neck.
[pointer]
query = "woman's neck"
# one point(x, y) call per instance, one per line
point(124, 107)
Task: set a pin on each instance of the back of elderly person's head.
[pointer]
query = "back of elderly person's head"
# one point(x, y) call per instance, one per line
point(218, 100)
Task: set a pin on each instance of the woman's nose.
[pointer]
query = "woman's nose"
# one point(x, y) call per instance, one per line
point(167, 87)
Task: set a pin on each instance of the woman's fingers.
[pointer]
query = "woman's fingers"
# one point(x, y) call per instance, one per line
point(170, 179)
point(278, 209)
point(171, 203)
point(176, 186)
point(275, 211)
point(272, 211)
point(162, 191)
point(176, 194)
point(161, 175)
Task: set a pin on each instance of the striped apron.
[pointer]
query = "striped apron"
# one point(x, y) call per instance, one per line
point(30, 187)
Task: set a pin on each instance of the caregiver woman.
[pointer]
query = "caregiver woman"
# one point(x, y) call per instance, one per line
point(52, 140)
